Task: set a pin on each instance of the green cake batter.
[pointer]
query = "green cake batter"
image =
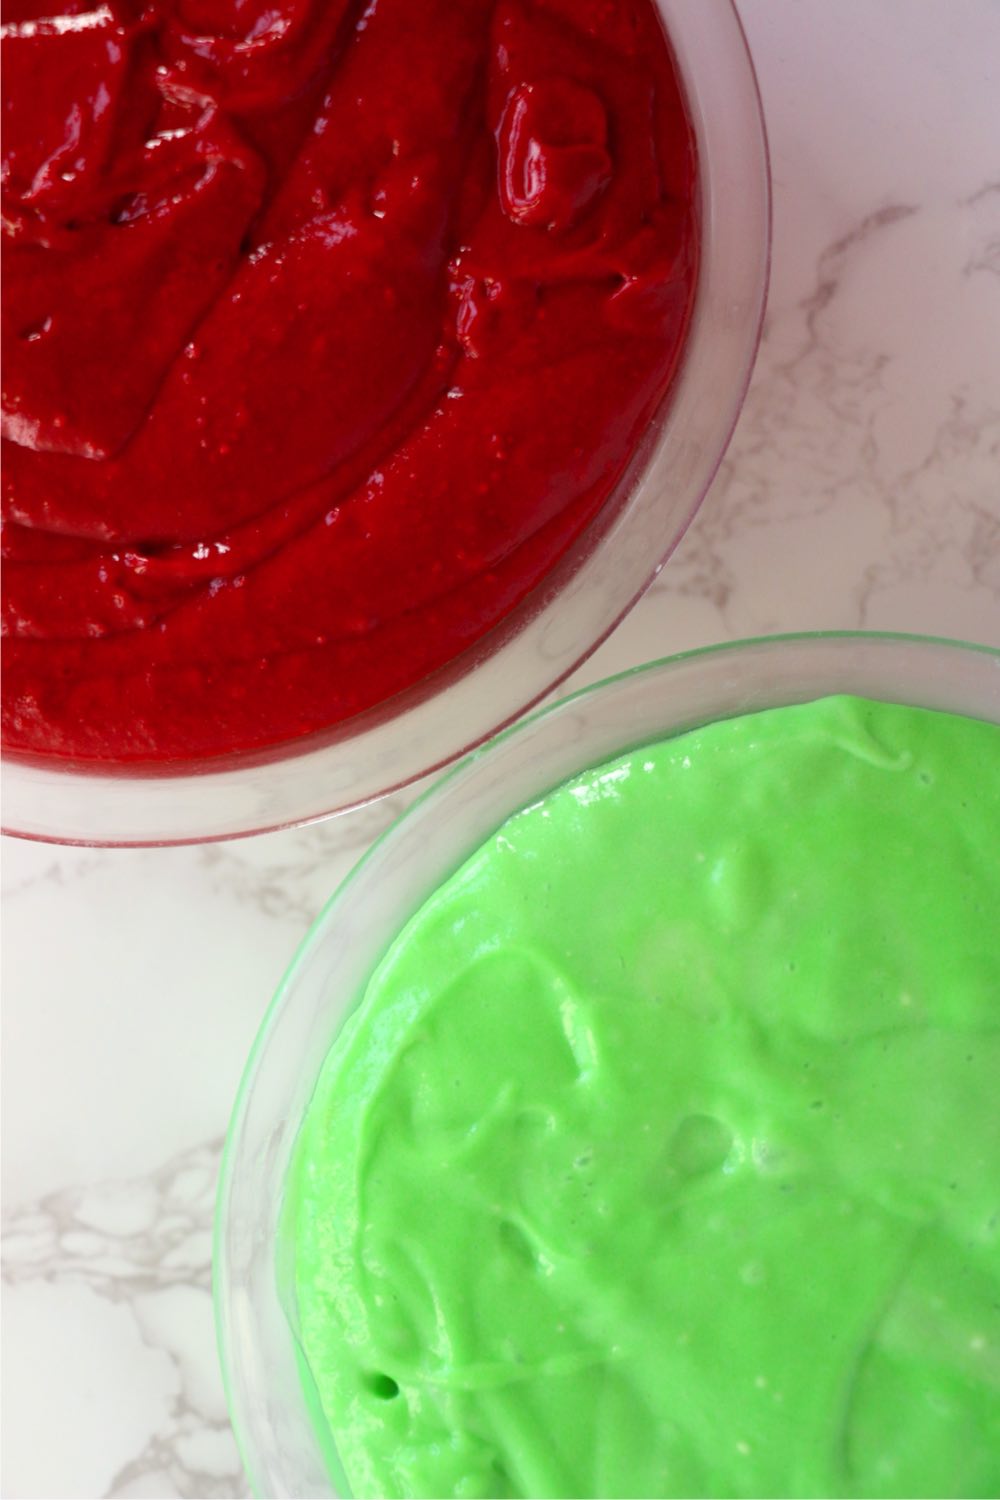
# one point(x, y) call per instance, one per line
point(662, 1156)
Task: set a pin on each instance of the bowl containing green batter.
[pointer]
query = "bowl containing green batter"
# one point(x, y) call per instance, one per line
point(627, 1123)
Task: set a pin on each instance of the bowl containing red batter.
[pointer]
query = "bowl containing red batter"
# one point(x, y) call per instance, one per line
point(361, 368)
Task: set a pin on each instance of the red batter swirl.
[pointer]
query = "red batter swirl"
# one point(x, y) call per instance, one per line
point(327, 329)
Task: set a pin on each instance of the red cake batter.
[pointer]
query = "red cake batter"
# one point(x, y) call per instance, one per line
point(327, 328)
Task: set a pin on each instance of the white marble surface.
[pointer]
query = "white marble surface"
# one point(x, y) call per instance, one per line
point(862, 488)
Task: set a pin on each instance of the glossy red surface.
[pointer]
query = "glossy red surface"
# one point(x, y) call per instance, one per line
point(327, 330)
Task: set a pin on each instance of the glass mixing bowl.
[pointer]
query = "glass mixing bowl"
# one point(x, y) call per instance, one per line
point(270, 1413)
point(570, 612)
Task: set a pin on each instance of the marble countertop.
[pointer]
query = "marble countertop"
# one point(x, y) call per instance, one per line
point(862, 488)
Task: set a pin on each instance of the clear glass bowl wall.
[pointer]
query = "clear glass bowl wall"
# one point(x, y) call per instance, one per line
point(272, 1422)
point(575, 607)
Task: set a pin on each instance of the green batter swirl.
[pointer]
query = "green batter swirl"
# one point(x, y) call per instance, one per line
point(662, 1156)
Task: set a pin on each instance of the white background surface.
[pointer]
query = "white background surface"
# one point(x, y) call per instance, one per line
point(862, 489)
